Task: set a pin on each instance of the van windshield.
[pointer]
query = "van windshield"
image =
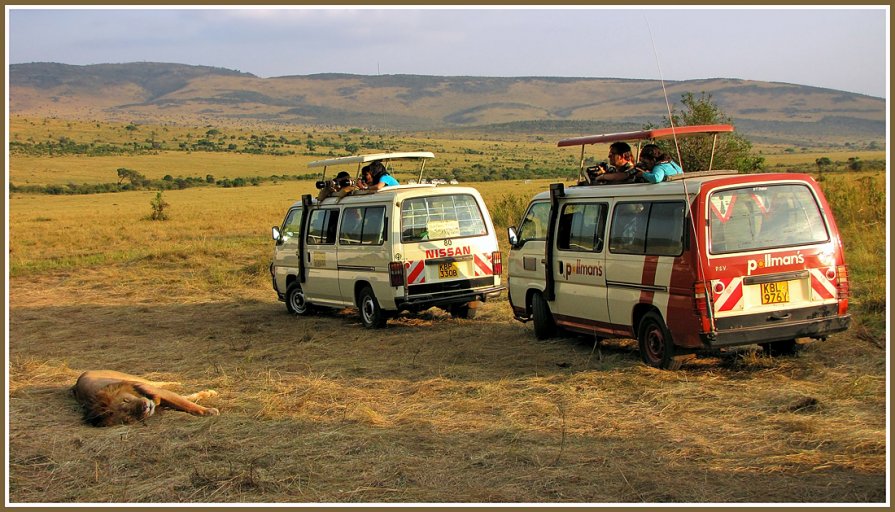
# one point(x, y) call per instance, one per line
point(439, 217)
point(766, 217)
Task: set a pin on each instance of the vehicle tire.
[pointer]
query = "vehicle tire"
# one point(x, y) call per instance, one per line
point(781, 348)
point(656, 345)
point(371, 315)
point(462, 311)
point(545, 325)
point(295, 300)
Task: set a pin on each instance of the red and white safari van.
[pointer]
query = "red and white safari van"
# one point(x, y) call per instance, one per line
point(704, 260)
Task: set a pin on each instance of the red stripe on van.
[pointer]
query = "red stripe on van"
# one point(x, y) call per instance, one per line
point(648, 278)
point(732, 294)
point(823, 288)
point(483, 268)
point(415, 272)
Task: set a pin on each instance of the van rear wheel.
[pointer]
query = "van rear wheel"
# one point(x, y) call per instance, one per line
point(545, 325)
point(371, 315)
point(780, 348)
point(462, 311)
point(656, 346)
point(295, 300)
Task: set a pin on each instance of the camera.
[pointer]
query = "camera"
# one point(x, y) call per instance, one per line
point(335, 184)
point(598, 169)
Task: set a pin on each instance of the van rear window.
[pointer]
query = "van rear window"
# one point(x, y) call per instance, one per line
point(439, 217)
point(767, 217)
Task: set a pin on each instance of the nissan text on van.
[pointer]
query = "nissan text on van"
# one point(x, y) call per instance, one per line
point(404, 247)
point(705, 260)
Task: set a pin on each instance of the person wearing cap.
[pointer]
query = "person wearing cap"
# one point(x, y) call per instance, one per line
point(375, 177)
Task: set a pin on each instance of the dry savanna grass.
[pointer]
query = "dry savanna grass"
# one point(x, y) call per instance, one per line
point(429, 410)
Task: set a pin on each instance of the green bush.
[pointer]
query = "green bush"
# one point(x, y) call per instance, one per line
point(508, 210)
point(159, 207)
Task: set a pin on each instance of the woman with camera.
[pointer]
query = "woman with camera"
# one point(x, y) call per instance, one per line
point(375, 177)
point(655, 165)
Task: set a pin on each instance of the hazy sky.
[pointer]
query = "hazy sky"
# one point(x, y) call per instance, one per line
point(844, 48)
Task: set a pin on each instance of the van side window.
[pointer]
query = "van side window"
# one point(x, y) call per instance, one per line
point(628, 234)
point(651, 228)
point(374, 231)
point(322, 228)
point(362, 226)
point(292, 223)
point(581, 227)
point(665, 232)
point(534, 225)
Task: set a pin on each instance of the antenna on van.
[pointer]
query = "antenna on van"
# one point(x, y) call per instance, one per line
point(677, 148)
point(664, 92)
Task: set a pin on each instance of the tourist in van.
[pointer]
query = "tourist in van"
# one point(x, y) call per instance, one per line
point(376, 177)
point(659, 165)
point(621, 163)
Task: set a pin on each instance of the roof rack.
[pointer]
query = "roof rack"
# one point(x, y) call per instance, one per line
point(360, 159)
point(641, 135)
point(701, 174)
point(373, 157)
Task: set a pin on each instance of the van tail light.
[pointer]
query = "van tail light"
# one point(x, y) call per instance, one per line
point(842, 288)
point(701, 303)
point(496, 263)
point(396, 273)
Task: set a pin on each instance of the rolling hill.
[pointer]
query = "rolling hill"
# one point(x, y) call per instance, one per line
point(160, 92)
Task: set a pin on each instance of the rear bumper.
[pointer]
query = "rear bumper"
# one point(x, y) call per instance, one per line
point(426, 301)
point(805, 323)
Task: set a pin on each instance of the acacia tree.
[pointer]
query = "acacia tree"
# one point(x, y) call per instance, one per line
point(134, 177)
point(732, 151)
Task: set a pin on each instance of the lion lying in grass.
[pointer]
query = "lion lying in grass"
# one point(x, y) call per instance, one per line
point(110, 398)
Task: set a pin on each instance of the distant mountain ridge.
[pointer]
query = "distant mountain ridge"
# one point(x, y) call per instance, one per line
point(162, 92)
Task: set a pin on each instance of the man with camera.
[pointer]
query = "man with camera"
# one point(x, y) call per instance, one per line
point(620, 168)
point(342, 183)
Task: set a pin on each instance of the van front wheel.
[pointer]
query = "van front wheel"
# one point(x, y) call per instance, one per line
point(295, 300)
point(545, 326)
point(656, 346)
point(371, 315)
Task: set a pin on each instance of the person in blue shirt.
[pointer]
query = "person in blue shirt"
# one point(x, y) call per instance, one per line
point(376, 177)
point(659, 164)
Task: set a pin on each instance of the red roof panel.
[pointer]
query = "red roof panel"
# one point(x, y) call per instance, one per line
point(656, 133)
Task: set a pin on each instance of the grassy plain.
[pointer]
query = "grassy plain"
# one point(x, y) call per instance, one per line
point(431, 409)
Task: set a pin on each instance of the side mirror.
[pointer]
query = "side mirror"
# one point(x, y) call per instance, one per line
point(512, 236)
point(275, 233)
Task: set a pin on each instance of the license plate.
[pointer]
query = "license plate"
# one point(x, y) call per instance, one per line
point(774, 293)
point(448, 270)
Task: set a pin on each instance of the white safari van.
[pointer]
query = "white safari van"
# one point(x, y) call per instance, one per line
point(710, 259)
point(405, 247)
